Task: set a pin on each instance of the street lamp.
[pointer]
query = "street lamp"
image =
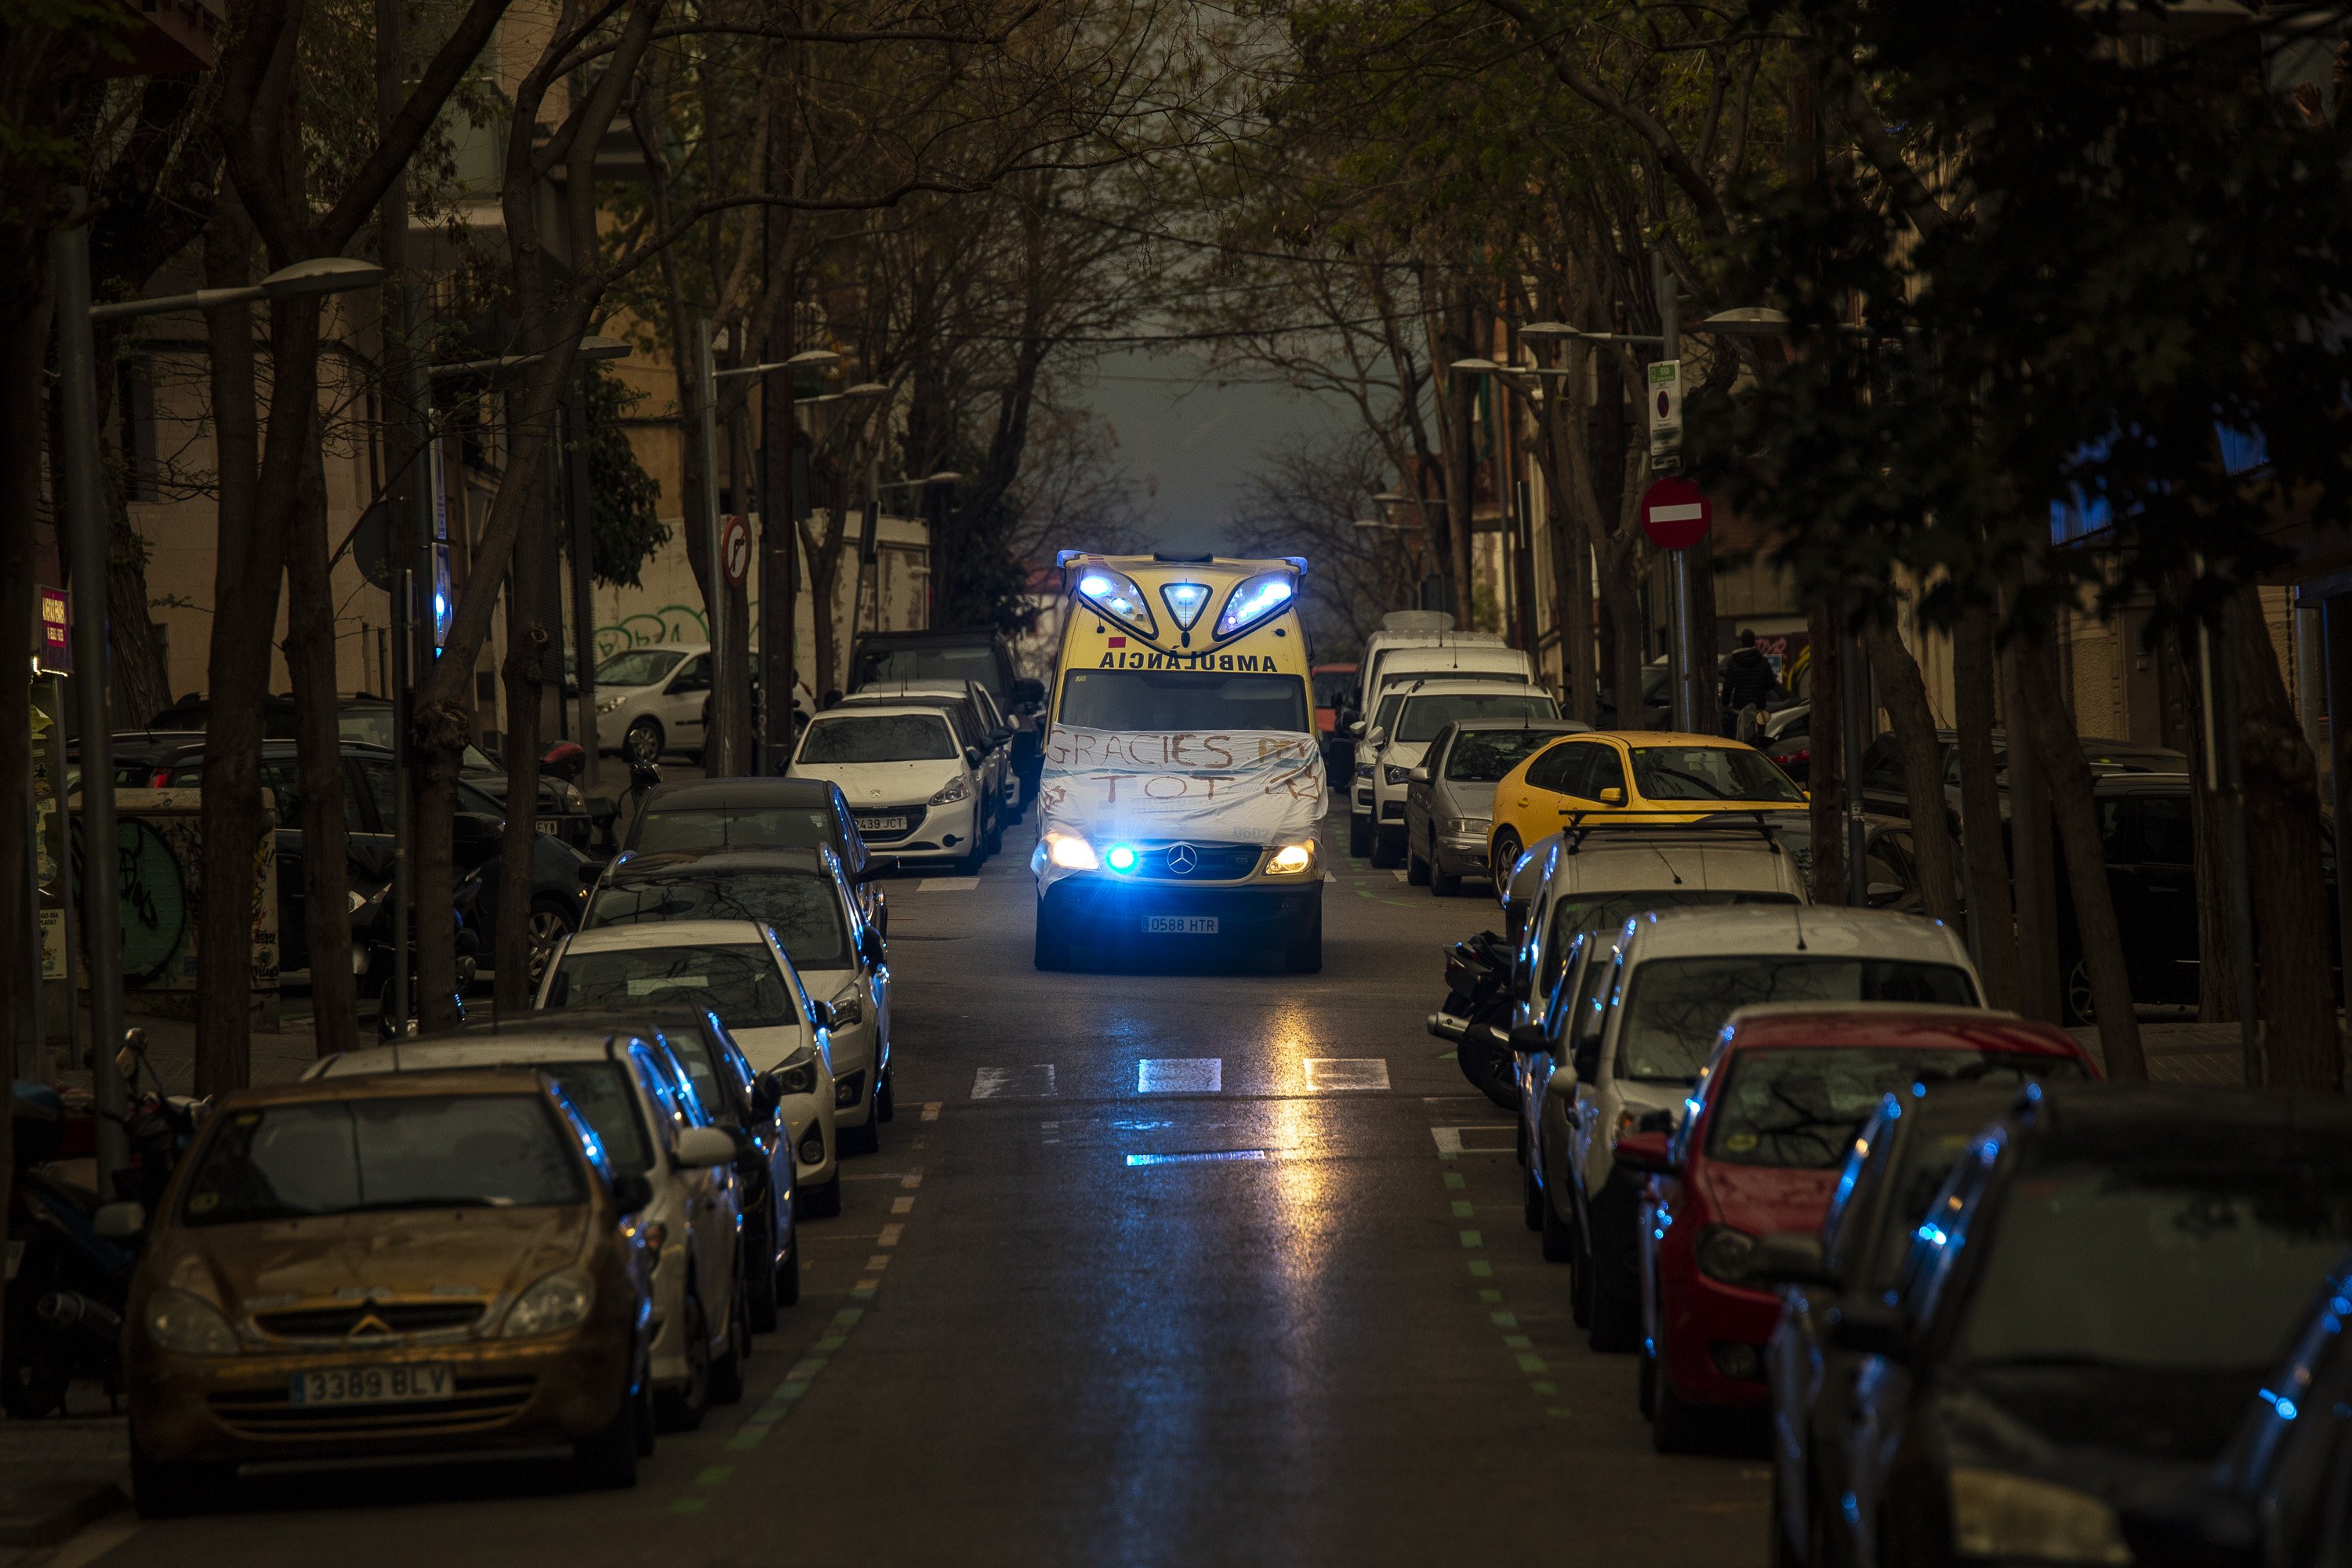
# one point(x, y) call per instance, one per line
point(86, 551)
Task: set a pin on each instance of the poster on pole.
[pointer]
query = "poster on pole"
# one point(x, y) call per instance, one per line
point(55, 654)
point(1665, 415)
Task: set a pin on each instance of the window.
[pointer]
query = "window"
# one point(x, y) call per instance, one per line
point(740, 982)
point(638, 667)
point(801, 907)
point(1483, 757)
point(729, 827)
point(1424, 716)
point(1800, 1108)
point(347, 1156)
point(883, 665)
point(1607, 772)
point(1711, 772)
point(695, 677)
point(883, 738)
point(1674, 1005)
point(603, 1093)
point(1553, 769)
point(1185, 699)
point(1334, 686)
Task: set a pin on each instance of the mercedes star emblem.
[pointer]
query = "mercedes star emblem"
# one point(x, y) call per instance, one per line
point(1181, 860)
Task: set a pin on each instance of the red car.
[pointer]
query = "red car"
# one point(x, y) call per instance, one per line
point(1765, 1129)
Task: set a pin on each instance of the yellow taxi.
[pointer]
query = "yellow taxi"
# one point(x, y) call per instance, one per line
point(1651, 775)
point(425, 1262)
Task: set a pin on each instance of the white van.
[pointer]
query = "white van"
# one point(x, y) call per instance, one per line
point(1457, 658)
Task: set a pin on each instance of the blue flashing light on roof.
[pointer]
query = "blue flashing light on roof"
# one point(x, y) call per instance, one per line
point(1186, 601)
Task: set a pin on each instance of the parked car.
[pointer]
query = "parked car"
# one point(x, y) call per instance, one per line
point(915, 787)
point(757, 815)
point(654, 699)
point(976, 724)
point(977, 654)
point(1449, 798)
point(2095, 1296)
point(1662, 778)
point(1885, 789)
point(563, 811)
point(362, 1266)
point(1675, 977)
point(1410, 716)
point(642, 1107)
point(1474, 657)
point(1769, 1123)
point(801, 896)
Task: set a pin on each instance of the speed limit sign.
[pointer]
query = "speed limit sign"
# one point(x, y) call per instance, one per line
point(735, 548)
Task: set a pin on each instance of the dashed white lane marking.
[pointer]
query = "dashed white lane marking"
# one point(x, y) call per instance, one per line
point(1327, 1075)
point(1449, 1139)
point(932, 1109)
point(1180, 1075)
point(911, 1180)
point(1052, 1130)
point(902, 1205)
point(947, 885)
point(889, 1236)
point(1034, 1082)
point(1400, 876)
point(879, 1260)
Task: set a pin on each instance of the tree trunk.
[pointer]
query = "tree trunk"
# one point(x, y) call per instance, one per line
point(1826, 781)
point(2217, 957)
point(2302, 1048)
point(1906, 694)
point(1699, 634)
point(247, 563)
point(2031, 838)
point(311, 659)
point(141, 681)
point(2051, 733)
point(821, 539)
point(1992, 928)
point(527, 645)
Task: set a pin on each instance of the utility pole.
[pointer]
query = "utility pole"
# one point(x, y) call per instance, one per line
point(715, 760)
point(577, 436)
point(779, 489)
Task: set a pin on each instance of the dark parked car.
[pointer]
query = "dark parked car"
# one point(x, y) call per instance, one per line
point(2090, 1304)
point(709, 815)
point(1882, 787)
point(978, 655)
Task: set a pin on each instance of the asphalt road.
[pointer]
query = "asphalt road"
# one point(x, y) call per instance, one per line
point(1152, 1269)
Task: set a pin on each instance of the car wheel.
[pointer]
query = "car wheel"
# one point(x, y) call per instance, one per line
point(727, 1370)
point(865, 1139)
point(606, 1459)
point(974, 856)
point(787, 1272)
point(1052, 948)
point(1531, 1199)
point(1304, 954)
point(1786, 1553)
point(1387, 847)
point(1416, 869)
point(992, 841)
point(1616, 1322)
point(760, 1275)
point(1506, 855)
point(2080, 1007)
point(1676, 1427)
point(1444, 883)
point(1646, 1385)
point(551, 922)
point(641, 1417)
point(886, 1097)
point(681, 1409)
point(643, 743)
point(161, 1489)
point(1579, 1283)
point(821, 1203)
point(1360, 836)
point(1560, 1246)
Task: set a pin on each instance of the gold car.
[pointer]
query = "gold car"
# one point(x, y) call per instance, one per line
point(1655, 777)
point(423, 1262)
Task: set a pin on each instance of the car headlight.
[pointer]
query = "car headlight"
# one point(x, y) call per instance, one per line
point(797, 1073)
point(1363, 769)
point(1470, 826)
point(557, 1302)
point(1995, 1514)
point(955, 789)
point(188, 1325)
point(847, 1009)
point(610, 704)
point(1292, 860)
point(1395, 772)
point(1070, 852)
point(1724, 1252)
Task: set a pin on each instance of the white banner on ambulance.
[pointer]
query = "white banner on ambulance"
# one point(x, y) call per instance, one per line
point(1230, 786)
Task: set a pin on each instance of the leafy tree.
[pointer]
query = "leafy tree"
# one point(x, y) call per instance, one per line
point(624, 532)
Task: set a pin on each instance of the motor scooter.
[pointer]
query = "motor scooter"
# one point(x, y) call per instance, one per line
point(1476, 1015)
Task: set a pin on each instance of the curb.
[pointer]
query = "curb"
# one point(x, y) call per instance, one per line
point(72, 1509)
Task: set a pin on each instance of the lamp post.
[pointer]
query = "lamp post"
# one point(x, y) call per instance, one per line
point(85, 549)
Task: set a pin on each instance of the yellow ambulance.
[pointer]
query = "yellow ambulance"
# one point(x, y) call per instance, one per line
point(1181, 807)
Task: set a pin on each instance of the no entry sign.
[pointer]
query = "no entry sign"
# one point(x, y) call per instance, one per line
point(1674, 514)
point(735, 548)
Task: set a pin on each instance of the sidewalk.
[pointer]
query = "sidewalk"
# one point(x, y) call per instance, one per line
point(58, 1474)
point(2181, 1053)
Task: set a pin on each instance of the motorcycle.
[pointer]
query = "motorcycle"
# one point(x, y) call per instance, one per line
point(371, 933)
point(1477, 1016)
point(67, 1282)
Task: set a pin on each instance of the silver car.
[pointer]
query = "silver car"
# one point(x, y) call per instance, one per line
point(1449, 800)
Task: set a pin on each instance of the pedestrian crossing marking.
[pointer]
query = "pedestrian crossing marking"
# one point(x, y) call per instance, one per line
point(1034, 1082)
point(1327, 1075)
point(947, 885)
point(1180, 1075)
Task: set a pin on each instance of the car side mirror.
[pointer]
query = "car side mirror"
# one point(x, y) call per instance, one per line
point(1530, 1039)
point(972, 756)
point(699, 1148)
point(1866, 1328)
point(1882, 894)
point(119, 1222)
point(767, 1093)
point(877, 867)
point(870, 945)
point(820, 1014)
point(1645, 1155)
point(1561, 1084)
point(631, 1193)
point(999, 735)
point(1586, 1059)
point(1790, 1258)
point(1612, 795)
point(1416, 775)
point(1356, 728)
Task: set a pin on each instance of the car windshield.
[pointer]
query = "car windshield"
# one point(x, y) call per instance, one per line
point(1709, 773)
point(1423, 717)
point(399, 1152)
point(638, 667)
point(732, 827)
point(884, 738)
point(801, 907)
point(883, 665)
point(1385, 719)
point(1801, 1106)
point(1183, 699)
point(1483, 757)
point(1610, 910)
point(2165, 1258)
point(1674, 1005)
point(740, 982)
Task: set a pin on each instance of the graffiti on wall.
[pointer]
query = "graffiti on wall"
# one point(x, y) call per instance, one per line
point(159, 845)
point(653, 629)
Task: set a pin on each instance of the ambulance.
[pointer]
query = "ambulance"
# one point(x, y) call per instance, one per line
point(1181, 805)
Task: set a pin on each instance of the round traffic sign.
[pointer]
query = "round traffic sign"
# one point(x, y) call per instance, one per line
point(735, 548)
point(1676, 514)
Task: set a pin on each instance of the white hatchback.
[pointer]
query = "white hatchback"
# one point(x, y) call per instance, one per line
point(916, 790)
point(651, 699)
